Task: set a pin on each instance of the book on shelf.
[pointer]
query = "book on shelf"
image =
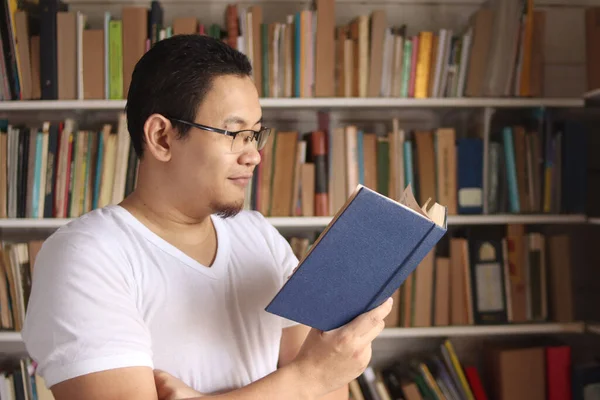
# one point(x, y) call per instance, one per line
point(19, 380)
point(61, 170)
point(369, 248)
point(57, 53)
point(482, 279)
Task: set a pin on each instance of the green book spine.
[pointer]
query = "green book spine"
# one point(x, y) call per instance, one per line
point(115, 55)
point(406, 58)
point(85, 169)
point(264, 35)
point(72, 186)
point(383, 166)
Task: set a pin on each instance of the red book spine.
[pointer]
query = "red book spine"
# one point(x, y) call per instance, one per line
point(475, 383)
point(319, 153)
point(558, 372)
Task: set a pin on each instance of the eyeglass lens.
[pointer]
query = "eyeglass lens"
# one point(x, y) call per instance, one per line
point(245, 138)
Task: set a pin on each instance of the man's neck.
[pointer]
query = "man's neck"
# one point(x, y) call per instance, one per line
point(166, 220)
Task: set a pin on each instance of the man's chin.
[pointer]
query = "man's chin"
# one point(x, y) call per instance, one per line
point(228, 210)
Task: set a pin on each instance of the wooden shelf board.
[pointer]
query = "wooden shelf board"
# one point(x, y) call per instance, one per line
point(593, 328)
point(11, 337)
point(11, 343)
point(492, 219)
point(14, 341)
point(484, 330)
point(321, 222)
point(335, 102)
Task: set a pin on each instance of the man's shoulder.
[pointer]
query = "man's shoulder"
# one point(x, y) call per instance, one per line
point(98, 227)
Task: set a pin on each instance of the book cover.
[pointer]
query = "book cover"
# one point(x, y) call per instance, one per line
point(363, 256)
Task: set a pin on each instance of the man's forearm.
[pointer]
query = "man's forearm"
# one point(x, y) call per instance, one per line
point(285, 383)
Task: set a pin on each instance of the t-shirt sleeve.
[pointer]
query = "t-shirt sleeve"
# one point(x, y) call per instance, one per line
point(82, 315)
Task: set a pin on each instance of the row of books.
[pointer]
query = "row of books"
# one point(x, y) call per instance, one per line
point(519, 277)
point(513, 373)
point(16, 270)
point(19, 381)
point(531, 169)
point(53, 53)
point(538, 168)
point(60, 171)
point(437, 374)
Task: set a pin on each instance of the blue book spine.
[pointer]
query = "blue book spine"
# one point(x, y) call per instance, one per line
point(361, 158)
point(408, 165)
point(511, 172)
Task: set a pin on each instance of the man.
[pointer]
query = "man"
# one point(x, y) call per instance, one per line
point(163, 295)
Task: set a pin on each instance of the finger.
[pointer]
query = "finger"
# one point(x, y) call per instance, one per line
point(370, 335)
point(159, 376)
point(365, 322)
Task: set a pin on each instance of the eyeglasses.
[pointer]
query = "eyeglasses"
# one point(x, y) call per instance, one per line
point(241, 139)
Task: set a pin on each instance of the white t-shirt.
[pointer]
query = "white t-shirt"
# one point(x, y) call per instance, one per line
point(108, 293)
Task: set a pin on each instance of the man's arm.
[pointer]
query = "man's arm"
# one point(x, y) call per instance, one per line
point(291, 342)
point(142, 383)
point(133, 383)
point(325, 362)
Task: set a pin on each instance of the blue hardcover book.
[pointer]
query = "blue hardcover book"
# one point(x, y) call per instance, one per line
point(370, 247)
point(470, 175)
point(511, 172)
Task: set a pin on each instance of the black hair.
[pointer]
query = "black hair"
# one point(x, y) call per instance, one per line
point(173, 78)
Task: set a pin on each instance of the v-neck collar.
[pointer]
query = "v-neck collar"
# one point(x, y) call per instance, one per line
point(218, 267)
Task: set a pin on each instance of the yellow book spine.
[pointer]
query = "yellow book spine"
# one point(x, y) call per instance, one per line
point(423, 65)
point(459, 370)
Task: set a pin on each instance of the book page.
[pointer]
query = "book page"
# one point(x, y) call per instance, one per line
point(436, 213)
point(408, 199)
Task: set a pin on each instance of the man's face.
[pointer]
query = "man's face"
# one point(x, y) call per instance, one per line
point(209, 172)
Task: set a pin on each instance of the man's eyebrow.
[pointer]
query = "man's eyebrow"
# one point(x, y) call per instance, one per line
point(234, 119)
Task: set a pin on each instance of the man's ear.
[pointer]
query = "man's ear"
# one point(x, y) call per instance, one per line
point(159, 135)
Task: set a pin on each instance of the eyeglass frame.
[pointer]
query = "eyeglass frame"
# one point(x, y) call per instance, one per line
point(233, 134)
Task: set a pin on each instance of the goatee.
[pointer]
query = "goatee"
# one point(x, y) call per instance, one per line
point(228, 210)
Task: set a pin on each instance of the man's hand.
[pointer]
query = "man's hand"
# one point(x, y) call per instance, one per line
point(334, 358)
point(170, 388)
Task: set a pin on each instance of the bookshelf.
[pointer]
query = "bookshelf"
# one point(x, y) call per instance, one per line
point(561, 93)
